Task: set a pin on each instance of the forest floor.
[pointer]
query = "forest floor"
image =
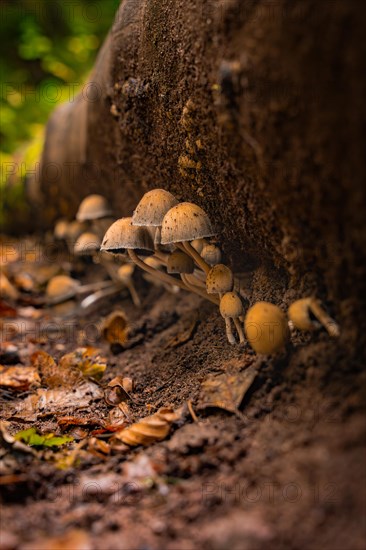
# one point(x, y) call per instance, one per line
point(283, 468)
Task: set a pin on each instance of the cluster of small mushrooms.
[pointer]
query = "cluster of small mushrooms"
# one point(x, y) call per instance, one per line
point(170, 242)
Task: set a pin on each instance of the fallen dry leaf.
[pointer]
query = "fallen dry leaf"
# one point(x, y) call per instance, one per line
point(226, 391)
point(116, 391)
point(88, 360)
point(74, 539)
point(19, 378)
point(54, 401)
point(54, 376)
point(115, 328)
point(149, 429)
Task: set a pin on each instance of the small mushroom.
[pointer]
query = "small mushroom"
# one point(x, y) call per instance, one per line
point(123, 237)
point(231, 307)
point(266, 328)
point(62, 288)
point(93, 207)
point(88, 244)
point(124, 274)
point(211, 254)
point(183, 223)
point(151, 210)
point(198, 244)
point(220, 279)
point(308, 314)
point(60, 230)
point(180, 262)
point(74, 230)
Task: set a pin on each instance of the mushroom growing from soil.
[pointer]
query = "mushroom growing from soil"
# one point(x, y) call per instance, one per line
point(308, 314)
point(151, 210)
point(88, 244)
point(220, 279)
point(211, 254)
point(180, 262)
point(184, 223)
point(231, 307)
point(134, 240)
point(266, 328)
point(60, 230)
point(124, 275)
point(74, 230)
point(62, 287)
point(93, 207)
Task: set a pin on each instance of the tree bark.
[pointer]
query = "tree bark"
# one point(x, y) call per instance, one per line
point(255, 110)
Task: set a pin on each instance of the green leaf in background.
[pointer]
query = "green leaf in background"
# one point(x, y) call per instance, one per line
point(31, 438)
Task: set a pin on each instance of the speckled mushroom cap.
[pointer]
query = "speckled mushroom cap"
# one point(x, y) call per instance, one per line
point(123, 235)
point(185, 222)
point(87, 244)
point(179, 262)
point(61, 287)
point(231, 305)
point(219, 279)
point(92, 208)
point(152, 207)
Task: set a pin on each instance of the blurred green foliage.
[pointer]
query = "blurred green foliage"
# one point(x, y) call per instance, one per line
point(48, 48)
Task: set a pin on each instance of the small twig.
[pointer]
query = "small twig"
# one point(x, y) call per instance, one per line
point(191, 411)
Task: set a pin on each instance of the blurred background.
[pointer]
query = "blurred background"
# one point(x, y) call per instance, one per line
point(48, 48)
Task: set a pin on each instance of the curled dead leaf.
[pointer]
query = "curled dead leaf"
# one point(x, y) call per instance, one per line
point(115, 328)
point(19, 378)
point(149, 429)
point(116, 391)
point(226, 391)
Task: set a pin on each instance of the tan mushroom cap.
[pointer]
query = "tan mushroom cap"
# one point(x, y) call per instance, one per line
point(92, 208)
point(266, 328)
point(87, 244)
point(300, 314)
point(231, 306)
point(185, 222)
point(179, 262)
point(62, 286)
point(219, 279)
point(152, 208)
point(60, 230)
point(211, 254)
point(74, 230)
point(122, 235)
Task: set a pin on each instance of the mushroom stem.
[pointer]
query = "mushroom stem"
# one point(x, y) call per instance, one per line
point(161, 256)
point(197, 258)
point(132, 290)
point(164, 277)
point(94, 286)
point(239, 330)
point(229, 332)
point(329, 324)
point(92, 299)
point(198, 290)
